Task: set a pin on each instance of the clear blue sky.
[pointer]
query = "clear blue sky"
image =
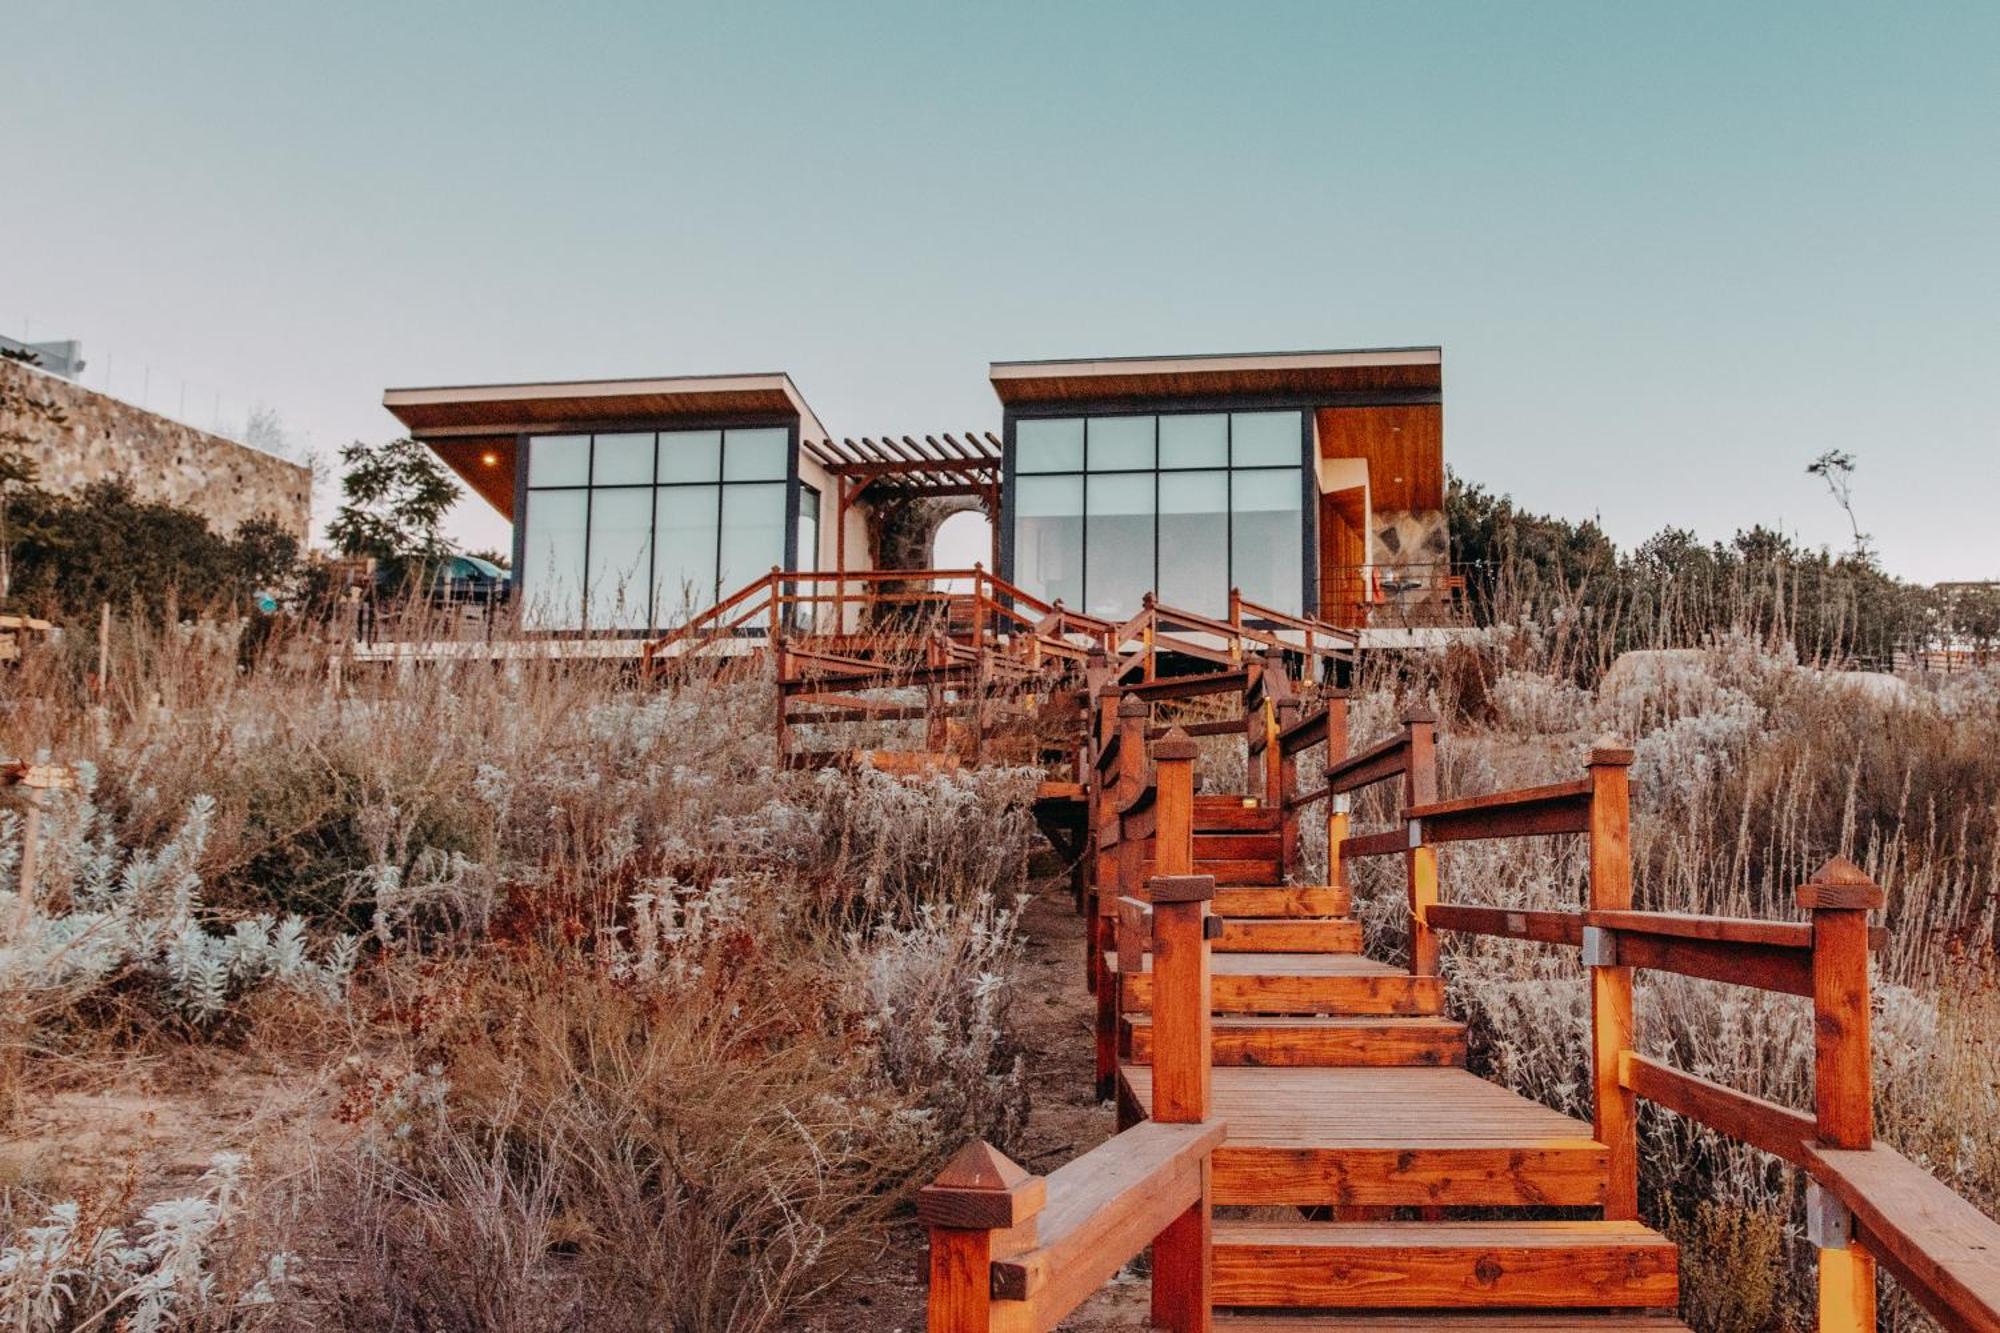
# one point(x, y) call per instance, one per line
point(1672, 251)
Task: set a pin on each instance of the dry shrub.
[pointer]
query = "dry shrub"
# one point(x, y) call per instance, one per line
point(696, 1157)
point(696, 1023)
point(1751, 770)
point(1732, 1278)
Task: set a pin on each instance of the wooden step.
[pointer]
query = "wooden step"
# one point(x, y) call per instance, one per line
point(1227, 846)
point(1321, 1042)
point(1215, 814)
point(1303, 983)
point(1444, 1265)
point(1390, 1137)
point(1231, 870)
point(1451, 1321)
point(1288, 935)
point(1280, 900)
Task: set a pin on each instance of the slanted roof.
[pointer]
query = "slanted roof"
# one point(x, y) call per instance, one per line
point(1020, 383)
point(473, 427)
point(943, 464)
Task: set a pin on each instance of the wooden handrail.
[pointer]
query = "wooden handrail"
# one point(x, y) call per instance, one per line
point(1103, 1208)
point(1775, 1129)
point(1563, 807)
point(1305, 733)
point(1944, 1251)
point(1190, 687)
point(1543, 926)
point(1378, 763)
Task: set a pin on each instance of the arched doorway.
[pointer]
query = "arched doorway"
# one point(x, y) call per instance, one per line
point(962, 540)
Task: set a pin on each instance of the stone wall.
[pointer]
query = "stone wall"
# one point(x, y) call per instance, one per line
point(1411, 551)
point(75, 436)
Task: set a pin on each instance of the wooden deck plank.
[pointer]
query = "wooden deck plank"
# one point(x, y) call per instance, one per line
point(1473, 1322)
point(1288, 935)
point(1321, 1040)
point(1372, 1106)
point(1444, 1265)
point(1281, 900)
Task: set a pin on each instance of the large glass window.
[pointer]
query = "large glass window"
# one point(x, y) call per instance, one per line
point(619, 578)
point(684, 528)
point(1194, 539)
point(1118, 547)
point(808, 529)
point(637, 530)
point(552, 557)
point(753, 534)
point(1048, 537)
point(1185, 504)
point(1265, 535)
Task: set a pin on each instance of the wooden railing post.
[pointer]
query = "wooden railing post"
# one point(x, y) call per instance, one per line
point(1149, 633)
point(1236, 624)
point(1288, 788)
point(1276, 688)
point(1420, 861)
point(1119, 873)
point(777, 607)
point(1336, 804)
point(982, 1207)
point(1840, 897)
point(1614, 1108)
point(1102, 718)
point(1182, 1040)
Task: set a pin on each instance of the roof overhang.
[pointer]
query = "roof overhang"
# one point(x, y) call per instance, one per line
point(473, 427)
point(1338, 373)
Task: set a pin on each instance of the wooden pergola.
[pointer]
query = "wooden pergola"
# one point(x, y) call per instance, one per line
point(890, 469)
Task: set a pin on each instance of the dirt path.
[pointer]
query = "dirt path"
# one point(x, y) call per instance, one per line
point(1054, 1013)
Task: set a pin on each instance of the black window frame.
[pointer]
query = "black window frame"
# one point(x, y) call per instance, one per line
point(524, 455)
point(1229, 411)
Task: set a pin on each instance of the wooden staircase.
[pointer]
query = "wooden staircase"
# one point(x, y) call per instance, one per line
point(1414, 1193)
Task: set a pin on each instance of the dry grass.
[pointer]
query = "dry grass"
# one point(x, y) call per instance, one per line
point(646, 1033)
point(1750, 772)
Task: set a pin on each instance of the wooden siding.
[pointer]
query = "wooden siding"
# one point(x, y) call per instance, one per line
point(1404, 447)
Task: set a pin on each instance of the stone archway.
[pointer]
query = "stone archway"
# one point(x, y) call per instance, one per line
point(904, 532)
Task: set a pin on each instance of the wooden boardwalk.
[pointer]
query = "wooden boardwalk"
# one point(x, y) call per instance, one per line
point(1301, 1145)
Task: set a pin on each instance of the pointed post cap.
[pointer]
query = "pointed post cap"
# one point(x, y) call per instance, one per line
point(981, 1189)
point(1131, 707)
point(1417, 713)
point(1608, 751)
point(1841, 886)
point(1176, 744)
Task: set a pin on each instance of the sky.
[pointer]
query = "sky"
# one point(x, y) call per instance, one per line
point(1672, 252)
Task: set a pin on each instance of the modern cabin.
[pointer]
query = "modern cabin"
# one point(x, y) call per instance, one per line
point(1311, 482)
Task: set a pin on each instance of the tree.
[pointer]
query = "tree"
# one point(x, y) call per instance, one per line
point(104, 544)
point(1836, 468)
point(397, 495)
point(16, 473)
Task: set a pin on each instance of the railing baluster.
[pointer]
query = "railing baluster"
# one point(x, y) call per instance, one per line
point(1336, 803)
point(1420, 861)
point(1840, 898)
point(1613, 1108)
point(1182, 1040)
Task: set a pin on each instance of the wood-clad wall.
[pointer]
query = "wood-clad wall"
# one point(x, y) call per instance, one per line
point(1404, 447)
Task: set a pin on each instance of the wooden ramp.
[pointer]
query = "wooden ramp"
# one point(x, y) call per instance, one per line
point(1366, 1179)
